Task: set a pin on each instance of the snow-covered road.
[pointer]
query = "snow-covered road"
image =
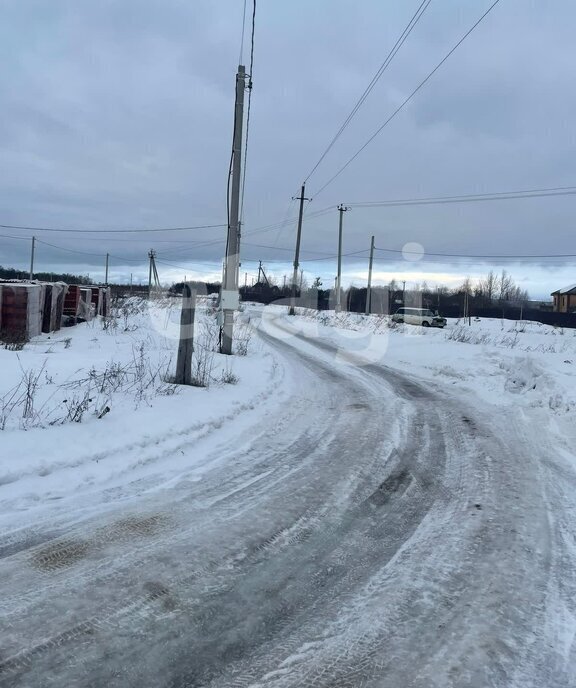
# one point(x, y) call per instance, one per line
point(370, 530)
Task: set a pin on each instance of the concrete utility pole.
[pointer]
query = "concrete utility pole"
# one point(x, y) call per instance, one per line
point(369, 289)
point(106, 275)
point(186, 344)
point(341, 209)
point(153, 273)
point(32, 258)
point(297, 253)
point(229, 296)
point(150, 258)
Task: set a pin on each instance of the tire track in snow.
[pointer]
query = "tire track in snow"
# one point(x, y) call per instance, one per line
point(375, 568)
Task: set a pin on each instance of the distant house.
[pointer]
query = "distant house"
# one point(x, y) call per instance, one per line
point(565, 299)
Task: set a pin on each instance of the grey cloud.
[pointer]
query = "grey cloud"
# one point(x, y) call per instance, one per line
point(120, 115)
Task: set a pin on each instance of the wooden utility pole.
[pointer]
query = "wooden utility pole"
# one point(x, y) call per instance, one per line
point(368, 309)
point(32, 258)
point(106, 274)
point(301, 198)
point(341, 209)
point(229, 296)
point(186, 344)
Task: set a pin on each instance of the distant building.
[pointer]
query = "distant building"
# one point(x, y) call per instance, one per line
point(565, 299)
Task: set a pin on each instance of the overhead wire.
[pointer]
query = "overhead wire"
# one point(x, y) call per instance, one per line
point(396, 47)
point(10, 236)
point(241, 53)
point(407, 100)
point(468, 255)
point(469, 198)
point(71, 250)
point(111, 231)
point(250, 74)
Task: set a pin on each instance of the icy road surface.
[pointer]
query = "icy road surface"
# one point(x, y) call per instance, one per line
point(374, 531)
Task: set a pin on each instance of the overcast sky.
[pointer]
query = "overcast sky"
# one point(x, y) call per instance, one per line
point(117, 114)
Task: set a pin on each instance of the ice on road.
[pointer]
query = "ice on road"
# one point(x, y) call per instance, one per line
point(371, 530)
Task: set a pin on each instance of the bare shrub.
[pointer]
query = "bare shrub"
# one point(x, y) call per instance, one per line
point(211, 332)
point(228, 377)
point(510, 342)
point(30, 381)
point(242, 339)
point(467, 336)
point(76, 407)
point(8, 403)
point(109, 323)
point(202, 366)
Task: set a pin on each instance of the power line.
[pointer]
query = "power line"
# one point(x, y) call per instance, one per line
point(10, 236)
point(111, 231)
point(399, 42)
point(241, 53)
point(286, 215)
point(488, 255)
point(150, 229)
point(181, 267)
point(70, 250)
point(192, 246)
point(351, 253)
point(282, 248)
point(87, 253)
point(408, 99)
point(469, 198)
point(248, 109)
point(283, 223)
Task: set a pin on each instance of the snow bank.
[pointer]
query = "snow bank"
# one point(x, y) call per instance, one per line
point(504, 362)
point(92, 406)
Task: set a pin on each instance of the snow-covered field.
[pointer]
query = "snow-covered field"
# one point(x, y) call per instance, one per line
point(348, 504)
point(505, 362)
point(92, 408)
point(81, 409)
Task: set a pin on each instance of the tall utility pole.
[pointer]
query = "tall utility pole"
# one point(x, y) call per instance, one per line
point(297, 253)
point(229, 296)
point(369, 289)
point(341, 209)
point(150, 258)
point(106, 276)
point(152, 273)
point(32, 258)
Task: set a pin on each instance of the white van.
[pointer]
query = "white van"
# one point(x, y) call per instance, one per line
point(418, 316)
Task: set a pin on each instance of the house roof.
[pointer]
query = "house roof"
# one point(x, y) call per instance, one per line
point(566, 290)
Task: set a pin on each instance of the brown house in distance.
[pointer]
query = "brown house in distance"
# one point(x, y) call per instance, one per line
point(565, 299)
